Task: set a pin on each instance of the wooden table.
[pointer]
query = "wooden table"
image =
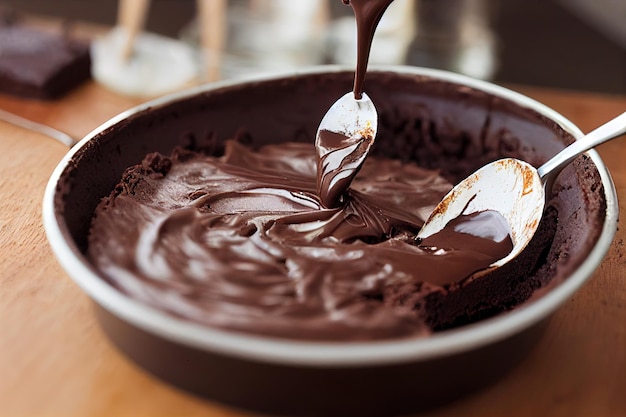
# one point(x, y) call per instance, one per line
point(55, 360)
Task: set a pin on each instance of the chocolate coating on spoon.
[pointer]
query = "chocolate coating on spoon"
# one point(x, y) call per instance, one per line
point(339, 159)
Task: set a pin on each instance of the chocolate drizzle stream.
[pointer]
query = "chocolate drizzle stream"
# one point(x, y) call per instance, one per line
point(367, 13)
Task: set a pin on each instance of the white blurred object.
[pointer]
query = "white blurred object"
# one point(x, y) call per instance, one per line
point(156, 66)
point(267, 36)
point(394, 34)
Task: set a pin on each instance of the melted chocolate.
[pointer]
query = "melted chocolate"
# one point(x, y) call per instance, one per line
point(486, 235)
point(288, 241)
point(339, 159)
point(243, 242)
point(367, 13)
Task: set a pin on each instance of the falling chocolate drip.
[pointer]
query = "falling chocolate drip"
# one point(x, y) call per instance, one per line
point(368, 13)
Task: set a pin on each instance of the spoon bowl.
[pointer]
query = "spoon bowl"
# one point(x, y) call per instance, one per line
point(509, 186)
point(343, 139)
point(351, 117)
point(515, 189)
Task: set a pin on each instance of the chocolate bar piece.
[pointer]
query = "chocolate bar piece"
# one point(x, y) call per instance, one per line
point(41, 65)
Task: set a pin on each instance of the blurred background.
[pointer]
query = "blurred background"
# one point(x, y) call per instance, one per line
point(566, 44)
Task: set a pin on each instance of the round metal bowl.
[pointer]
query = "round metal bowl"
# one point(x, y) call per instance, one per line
point(306, 378)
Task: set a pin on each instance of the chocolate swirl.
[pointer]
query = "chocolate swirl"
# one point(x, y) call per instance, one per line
point(242, 242)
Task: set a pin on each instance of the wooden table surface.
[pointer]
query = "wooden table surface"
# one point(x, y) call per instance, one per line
point(55, 360)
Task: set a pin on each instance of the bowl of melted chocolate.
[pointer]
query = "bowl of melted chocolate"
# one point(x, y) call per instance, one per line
point(194, 223)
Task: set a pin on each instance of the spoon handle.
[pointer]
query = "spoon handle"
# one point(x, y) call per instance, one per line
point(610, 130)
point(16, 120)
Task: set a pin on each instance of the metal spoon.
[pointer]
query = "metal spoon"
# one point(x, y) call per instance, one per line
point(515, 189)
point(16, 120)
point(342, 142)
